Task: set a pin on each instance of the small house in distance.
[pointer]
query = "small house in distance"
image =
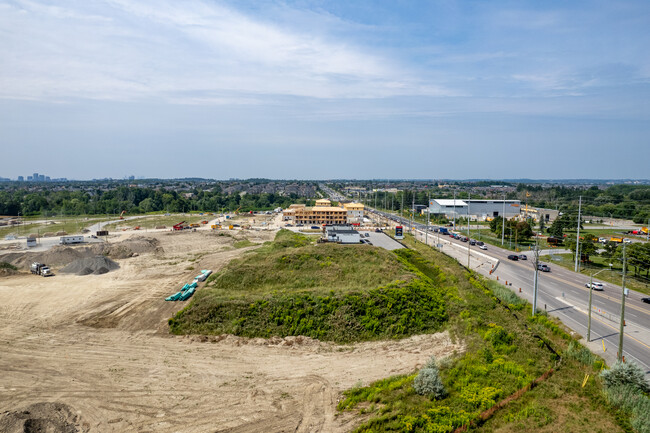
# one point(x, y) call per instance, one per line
point(342, 234)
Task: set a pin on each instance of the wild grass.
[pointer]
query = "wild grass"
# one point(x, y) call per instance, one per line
point(332, 292)
point(506, 350)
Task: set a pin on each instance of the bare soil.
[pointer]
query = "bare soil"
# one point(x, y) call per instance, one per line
point(92, 353)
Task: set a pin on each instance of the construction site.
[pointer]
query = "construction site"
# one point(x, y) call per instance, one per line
point(89, 349)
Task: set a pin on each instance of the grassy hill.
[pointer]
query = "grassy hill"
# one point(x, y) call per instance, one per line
point(340, 293)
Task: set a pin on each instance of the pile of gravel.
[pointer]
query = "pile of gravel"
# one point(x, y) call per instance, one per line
point(43, 418)
point(90, 265)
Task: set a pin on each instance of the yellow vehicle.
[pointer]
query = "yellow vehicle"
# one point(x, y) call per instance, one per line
point(616, 239)
point(195, 225)
point(230, 227)
point(215, 226)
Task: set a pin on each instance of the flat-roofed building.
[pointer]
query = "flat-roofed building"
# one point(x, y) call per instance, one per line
point(478, 209)
point(342, 234)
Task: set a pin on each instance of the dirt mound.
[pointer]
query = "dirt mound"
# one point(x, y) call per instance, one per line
point(58, 255)
point(133, 246)
point(43, 418)
point(90, 265)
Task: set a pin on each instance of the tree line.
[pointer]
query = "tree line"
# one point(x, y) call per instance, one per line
point(137, 200)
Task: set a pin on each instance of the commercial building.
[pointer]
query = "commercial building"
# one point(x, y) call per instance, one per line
point(343, 234)
point(478, 209)
point(324, 213)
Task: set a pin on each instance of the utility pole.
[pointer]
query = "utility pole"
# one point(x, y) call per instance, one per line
point(535, 281)
point(412, 216)
point(454, 224)
point(426, 233)
point(591, 289)
point(468, 237)
point(503, 220)
point(578, 236)
point(620, 331)
point(401, 210)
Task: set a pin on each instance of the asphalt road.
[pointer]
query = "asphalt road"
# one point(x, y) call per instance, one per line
point(562, 293)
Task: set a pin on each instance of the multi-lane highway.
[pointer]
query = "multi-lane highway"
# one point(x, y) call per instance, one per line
point(561, 292)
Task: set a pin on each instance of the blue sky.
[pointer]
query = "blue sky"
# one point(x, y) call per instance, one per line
point(325, 89)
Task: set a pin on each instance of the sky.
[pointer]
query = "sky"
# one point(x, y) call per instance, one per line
point(325, 89)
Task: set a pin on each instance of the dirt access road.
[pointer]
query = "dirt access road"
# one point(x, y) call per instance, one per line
point(92, 353)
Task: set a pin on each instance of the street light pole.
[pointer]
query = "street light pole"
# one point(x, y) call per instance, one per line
point(578, 236)
point(620, 332)
point(454, 223)
point(591, 289)
point(468, 237)
point(426, 233)
point(535, 282)
point(503, 220)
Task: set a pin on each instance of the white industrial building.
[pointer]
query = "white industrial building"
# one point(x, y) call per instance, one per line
point(342, 234)
point(477, 209)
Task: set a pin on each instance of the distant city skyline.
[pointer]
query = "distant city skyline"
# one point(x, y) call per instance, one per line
point(321, 90)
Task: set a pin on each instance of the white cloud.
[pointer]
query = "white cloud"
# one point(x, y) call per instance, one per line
point(158, 49)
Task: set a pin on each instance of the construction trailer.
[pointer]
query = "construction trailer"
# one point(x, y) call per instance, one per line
point(67, 240)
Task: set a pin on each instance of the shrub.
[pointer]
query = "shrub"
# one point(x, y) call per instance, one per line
point(625, 374)
point(428, 381)
point(580, 353)
point(629, 398)
point(5, 265)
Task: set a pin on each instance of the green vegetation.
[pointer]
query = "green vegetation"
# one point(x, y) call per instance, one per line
point(331, 292)
point(5, 265)
point(135, 200)
point(506, 350)
point(635, 282)
point(244, 243)
point(68, 225)
point(627, 389)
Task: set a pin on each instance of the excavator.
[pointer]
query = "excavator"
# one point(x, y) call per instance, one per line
point(122, 214)
point(179, 226)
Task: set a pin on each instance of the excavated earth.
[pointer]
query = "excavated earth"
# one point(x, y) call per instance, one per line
point(92, 353)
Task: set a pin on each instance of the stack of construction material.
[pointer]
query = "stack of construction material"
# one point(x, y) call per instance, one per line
point(188, 290)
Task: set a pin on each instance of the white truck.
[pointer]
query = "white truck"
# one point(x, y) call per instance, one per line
point(40, 269)
point(66, 240)
point(31, 242)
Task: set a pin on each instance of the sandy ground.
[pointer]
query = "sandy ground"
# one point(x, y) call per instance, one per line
point(98, 346)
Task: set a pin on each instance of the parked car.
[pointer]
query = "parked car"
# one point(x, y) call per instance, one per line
point(315, 227)
point(627, 241)
point(472, 242)
point(646, 300)
point(523, 257)
point(544, 268)
point(483, 247)
point(513, 257)
point(595, 286)
point(479, 243)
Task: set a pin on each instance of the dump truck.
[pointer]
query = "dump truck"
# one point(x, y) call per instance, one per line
point(194, 225)
point(40, 269)
point(616, 239)
point(215, 226)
